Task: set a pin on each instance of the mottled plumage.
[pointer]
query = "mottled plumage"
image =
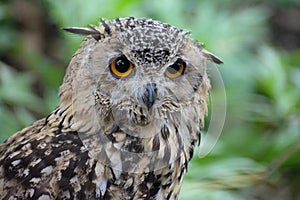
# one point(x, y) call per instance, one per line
point(131, 109)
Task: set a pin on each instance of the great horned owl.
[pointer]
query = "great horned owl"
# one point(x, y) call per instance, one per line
point(130, 114)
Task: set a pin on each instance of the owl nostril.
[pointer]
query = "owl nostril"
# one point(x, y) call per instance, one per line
point(149, 95)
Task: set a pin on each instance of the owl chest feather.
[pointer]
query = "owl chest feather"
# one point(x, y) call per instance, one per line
point(55, 164)
point(156, 161)
point(153, 169)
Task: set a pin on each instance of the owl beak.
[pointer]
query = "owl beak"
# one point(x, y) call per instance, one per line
point(149, 95)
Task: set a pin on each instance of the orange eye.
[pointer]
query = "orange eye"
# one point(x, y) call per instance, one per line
point(176, 69)
point(121, 67)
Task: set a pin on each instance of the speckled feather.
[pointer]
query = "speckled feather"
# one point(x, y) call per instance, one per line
point(101, 142)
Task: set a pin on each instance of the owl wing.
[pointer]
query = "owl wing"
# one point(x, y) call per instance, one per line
point(46, 161)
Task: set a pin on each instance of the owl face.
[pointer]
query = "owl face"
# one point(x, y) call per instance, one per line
point(150, 66)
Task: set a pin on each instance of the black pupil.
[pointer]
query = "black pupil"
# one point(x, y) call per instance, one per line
point(173, 69)
point(122, 65)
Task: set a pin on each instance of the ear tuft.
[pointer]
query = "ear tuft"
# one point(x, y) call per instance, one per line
point(211, 57)
point(81, 31)
point(84, 31)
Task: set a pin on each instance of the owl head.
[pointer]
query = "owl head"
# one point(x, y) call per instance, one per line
point(137, 76)
point(139, 66)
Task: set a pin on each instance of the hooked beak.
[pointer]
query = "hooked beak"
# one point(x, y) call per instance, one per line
point(149, 95)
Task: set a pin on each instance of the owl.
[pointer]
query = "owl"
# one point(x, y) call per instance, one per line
point(131, 110)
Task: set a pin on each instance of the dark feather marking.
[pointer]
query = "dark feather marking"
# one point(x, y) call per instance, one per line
point(60, 125)
point(56, 111)
point(198, 137)
point(46, 120)
point(134, 145)
point(169, 195)
point(69, 172)
point(185, 161)
point(70, 119)
point(62, 111)
point(165, 132)
point(150, 177)
point(106, 27)
point(154, 189)
point(156, 143)
point(91, 174)
point(143, 187)
point(166, 185)
point(180, 175)
point(191, 152)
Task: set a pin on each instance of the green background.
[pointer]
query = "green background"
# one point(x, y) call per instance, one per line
point(257, 155)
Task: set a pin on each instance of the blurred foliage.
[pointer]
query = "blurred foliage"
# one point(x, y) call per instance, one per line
point(257, 156)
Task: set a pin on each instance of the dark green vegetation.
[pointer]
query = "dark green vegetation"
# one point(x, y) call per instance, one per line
point(257, 156)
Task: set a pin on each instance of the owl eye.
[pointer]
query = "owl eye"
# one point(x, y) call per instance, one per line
point(176, 69)
point(121, 67)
